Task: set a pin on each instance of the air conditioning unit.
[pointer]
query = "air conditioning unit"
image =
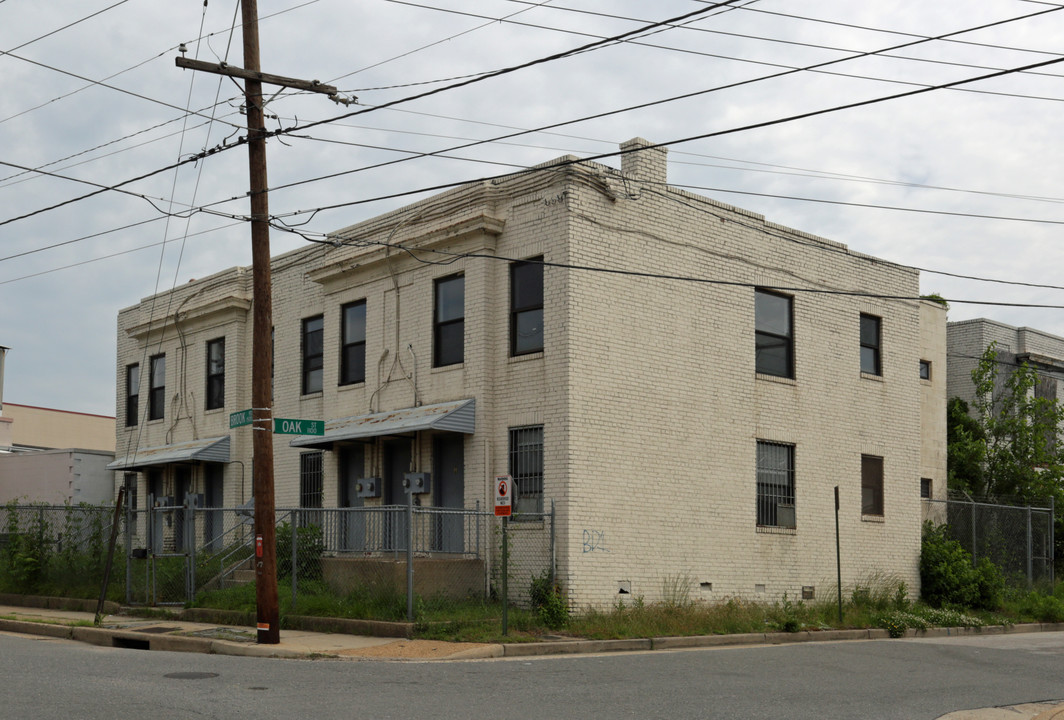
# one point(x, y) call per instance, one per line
point(369, 487)
point(785, 515)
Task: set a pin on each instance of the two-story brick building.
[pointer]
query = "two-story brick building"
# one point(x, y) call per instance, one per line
point(685, 380)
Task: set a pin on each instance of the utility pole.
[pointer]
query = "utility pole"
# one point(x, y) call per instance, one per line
point(267, 612)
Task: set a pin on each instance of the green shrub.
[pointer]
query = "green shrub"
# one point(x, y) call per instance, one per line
point(548, 601)
point(310, 546)
point(949, 577)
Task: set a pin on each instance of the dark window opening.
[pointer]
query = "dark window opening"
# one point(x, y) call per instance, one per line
point(311, 486)
point(353, 343)
point(157, 389)
point(773, 333)
point(132, 395)
point(871, 485)
point(526, 468)
point(871, 361)
point(775, 484)
point(448, 341)
point(313, 354)
point(216, 374)
point(526, 307)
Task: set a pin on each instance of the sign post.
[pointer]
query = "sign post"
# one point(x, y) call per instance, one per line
point(503, 508)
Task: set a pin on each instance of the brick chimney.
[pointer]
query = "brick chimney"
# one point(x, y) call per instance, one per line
point(648, 164)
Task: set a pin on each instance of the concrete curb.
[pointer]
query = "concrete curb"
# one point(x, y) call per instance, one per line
point(174, 641)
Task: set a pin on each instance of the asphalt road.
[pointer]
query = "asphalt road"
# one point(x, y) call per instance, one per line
point(45, 678)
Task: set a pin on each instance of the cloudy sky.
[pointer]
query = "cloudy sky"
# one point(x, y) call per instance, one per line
point(964, 180)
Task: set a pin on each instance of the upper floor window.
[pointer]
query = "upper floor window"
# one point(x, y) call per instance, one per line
point(353, 343)
point(871, 485)
point(775, 484)
point(526, 306)
point(448, 327)
point(132, 394)
point(157, 387)
point(925, 369)
point(871, 361)
point(215, 373)
point(773, 333)
point(313, 353)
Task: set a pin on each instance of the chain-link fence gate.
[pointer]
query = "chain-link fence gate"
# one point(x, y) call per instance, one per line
point(1017, 539)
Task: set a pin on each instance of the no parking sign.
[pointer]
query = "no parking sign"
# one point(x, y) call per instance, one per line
point(503, 490)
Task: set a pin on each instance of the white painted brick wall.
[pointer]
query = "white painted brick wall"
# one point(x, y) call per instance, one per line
point(646, 388)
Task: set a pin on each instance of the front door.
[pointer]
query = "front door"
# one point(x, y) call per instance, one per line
point(212, 500)
point(352, 518)
point(156, 488)
point(182, 483)
point(396, 465)
point(449, 488)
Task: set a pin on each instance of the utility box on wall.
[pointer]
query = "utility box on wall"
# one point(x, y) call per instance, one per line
point(369, 487)
point(417, 483)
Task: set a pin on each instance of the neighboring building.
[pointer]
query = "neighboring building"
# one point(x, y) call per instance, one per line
point(967, 340)
point(57, 477)
point(53, 456)
point(40, 428)
point(688, 431)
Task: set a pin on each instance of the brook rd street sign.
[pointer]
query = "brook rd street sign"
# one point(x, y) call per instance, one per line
point(239, 419)
point(285, 426)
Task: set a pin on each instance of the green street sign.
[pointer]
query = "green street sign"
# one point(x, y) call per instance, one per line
point(239, 419)
point(284, 426)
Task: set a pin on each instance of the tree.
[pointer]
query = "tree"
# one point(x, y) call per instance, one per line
point(1010, 445)
point(965, 449)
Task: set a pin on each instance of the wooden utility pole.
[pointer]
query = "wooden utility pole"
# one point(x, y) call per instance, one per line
point(268, 614)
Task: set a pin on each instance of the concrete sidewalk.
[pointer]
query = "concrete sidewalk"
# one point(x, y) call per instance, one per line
point(185, 636)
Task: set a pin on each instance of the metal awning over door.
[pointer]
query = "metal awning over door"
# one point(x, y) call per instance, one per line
point(456, 416)
point(209, 450)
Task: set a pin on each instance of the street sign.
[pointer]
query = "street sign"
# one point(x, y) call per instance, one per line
point(239, 419)
point(503, 491)
point(286, 426)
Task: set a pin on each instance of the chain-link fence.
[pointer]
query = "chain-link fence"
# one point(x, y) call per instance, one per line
point(380, 555)
point(530, 560)
point(1018, 539)
point(455, 555)
point(46, 549)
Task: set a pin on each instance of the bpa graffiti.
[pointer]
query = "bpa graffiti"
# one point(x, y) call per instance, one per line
point(595, 541)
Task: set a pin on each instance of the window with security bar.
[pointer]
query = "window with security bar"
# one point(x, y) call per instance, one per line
point(526, 468)
point(775, 485)
point(311, 486)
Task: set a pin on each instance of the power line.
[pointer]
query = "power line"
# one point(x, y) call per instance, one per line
point(103, 85)
point(65, 27)
point(754, 37)
point(702, 136)
point(330, 240)
point(282, 131)
point(120, 252)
